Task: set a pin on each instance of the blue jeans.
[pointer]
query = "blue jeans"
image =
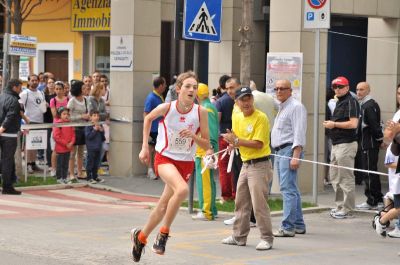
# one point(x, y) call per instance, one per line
point(292, 213)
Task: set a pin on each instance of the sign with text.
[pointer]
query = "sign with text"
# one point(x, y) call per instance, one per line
point(317, 14)
point(91, 15)
point(36, 140)
point(121, 53)
point(22, 45)
point(24, 68)
point(287, 66)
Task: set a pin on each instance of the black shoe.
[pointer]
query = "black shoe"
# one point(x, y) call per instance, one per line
point(159, 244)
point(10, 191)
point(36, 168)
point(137, 246)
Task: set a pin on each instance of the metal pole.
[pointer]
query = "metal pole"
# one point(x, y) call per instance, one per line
point(316, 112)
point(5, 60)
point(192, 179)
point(6, 74)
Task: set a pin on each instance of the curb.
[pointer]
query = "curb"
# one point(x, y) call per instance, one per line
point(309, 210)
point(52, 187)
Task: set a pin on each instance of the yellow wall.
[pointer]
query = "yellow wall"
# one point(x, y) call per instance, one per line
point(50, 22)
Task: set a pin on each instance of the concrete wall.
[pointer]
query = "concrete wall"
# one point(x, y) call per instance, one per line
point(131, 17)
point(288, 35)
point(224, 57)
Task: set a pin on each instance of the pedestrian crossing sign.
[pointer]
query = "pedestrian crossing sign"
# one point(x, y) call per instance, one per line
point(202, 20)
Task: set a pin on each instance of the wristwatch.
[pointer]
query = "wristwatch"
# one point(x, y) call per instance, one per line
point(236, 141)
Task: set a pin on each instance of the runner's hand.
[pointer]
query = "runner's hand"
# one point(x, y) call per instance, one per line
point(185, 133)
point(144, 156)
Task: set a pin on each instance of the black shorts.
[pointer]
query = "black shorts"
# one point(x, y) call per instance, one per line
point(153, 138)
point(396, 201)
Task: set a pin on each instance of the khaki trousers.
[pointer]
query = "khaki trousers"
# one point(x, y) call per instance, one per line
point(252, 190)
point(343, 180)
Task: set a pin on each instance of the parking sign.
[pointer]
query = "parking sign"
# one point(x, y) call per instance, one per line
point(317, 14)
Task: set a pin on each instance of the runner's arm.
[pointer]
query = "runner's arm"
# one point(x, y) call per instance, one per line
point(159, 111)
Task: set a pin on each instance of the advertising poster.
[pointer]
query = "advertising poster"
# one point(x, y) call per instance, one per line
point(284, 66)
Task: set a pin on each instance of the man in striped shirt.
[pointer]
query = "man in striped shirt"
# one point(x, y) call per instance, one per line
point(288, 138)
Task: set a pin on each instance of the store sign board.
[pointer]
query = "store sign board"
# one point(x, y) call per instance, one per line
point(22, 45)
point(288, 66)
point(121, 53)
point(91, 15)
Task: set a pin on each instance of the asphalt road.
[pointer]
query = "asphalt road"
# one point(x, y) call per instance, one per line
point(82, 226)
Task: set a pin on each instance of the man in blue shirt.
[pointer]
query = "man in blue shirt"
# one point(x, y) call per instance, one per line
point(154, 99)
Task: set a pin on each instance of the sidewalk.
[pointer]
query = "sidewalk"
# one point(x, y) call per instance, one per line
point(145, 186)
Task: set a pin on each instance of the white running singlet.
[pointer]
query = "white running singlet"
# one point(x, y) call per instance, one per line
point(169, 143)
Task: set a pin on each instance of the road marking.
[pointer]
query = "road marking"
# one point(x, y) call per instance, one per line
point(33, 206)
point(7, 212)
point(74, 202)
point(86, 195)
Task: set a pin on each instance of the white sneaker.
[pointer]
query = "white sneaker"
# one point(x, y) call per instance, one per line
point(199, 216)
point(252, 224)
point(263, 245)
point(395, 233)
point(231, 241)
point(380, 206)
point(230, 221)
point(380, 228)
point(151, 174)
point(364, 206)
point(30, 169)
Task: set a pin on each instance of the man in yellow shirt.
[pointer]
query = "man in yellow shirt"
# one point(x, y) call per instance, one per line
point(250, 133)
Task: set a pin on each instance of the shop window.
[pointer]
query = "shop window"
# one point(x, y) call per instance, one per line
point(102, 54)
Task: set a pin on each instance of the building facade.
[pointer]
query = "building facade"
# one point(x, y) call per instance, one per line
point(362, 44)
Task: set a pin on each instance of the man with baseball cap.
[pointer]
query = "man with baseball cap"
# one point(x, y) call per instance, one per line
point(343, 132)
point(205, 182)
point(250, 133)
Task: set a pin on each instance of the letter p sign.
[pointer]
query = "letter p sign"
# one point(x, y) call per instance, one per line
point(310, 16)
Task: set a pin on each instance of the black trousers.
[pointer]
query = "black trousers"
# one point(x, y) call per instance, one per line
point(92, 164)
point(8, 147)
point(368, 160)
point(62, 165)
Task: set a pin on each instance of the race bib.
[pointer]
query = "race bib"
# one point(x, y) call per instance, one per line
point(178, 144)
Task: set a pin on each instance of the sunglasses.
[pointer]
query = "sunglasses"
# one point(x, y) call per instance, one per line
point(281, 88)
point(338, 86)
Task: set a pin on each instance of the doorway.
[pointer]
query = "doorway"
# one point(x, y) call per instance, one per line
point(56, 62)
point(347, 49)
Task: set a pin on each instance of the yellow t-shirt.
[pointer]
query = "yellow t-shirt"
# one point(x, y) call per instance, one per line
point(253, 127)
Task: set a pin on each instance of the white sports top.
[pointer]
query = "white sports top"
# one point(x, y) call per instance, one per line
point(169, 143)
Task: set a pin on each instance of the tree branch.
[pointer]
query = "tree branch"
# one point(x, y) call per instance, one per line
point(30, 10)
point(6, 7)
point(24, 5)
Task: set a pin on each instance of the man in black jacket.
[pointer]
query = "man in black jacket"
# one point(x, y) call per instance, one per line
point(10, 117)
point(370, 138)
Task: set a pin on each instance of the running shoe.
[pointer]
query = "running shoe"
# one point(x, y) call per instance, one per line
point(159, 243)
point(380, 228)
point(137, 246)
